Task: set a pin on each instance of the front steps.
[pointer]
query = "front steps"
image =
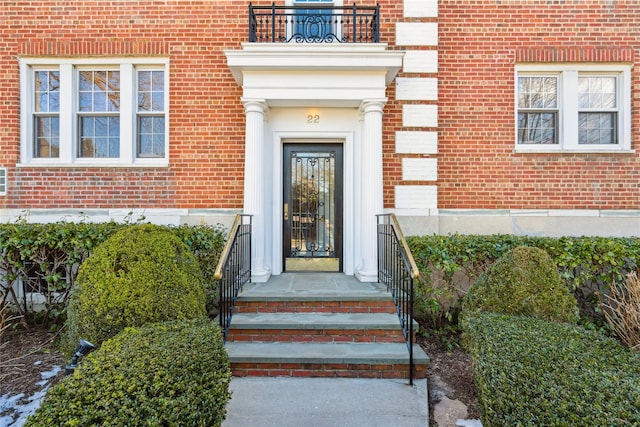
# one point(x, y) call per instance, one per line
point(319, 325)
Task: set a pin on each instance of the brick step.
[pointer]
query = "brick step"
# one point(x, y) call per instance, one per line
point(352, 360)
point(315, 327)
point(313, 305)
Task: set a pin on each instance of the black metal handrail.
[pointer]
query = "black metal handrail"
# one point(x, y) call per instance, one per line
point(397, 269)
point(234, 268)
point(314, 24)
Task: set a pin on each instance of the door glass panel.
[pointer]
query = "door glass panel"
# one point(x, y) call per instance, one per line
point(312, 209)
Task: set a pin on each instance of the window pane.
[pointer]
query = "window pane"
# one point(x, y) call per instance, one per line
point(99, 136)
point(537, 128)
point(597, 92)
point(151, 128)
point(157, 101)
point(99, 91)
point(151, 136)
point(597, 128)
point(47, 91)
point(150, 91)
point(47, 137)
point(537, 92)
point(46, 121)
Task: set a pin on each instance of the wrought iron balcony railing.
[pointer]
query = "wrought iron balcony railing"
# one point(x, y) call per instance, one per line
point(314, 24)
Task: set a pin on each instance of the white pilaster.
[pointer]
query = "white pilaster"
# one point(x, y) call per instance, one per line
point(370, 191)
point(254, 190)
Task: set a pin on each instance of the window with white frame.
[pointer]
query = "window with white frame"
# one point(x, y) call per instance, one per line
point(94, 112)
point(3, 181)
point(573, 108)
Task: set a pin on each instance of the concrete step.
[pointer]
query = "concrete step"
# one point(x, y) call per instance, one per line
point(316, 327)
point(353, 360)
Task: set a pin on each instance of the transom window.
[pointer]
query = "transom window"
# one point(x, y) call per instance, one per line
point(94, 111)
point(573, 108)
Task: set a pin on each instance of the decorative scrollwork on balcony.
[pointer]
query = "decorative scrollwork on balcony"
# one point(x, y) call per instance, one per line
point(314, 24)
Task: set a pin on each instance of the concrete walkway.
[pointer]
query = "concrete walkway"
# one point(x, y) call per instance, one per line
point(326, 402)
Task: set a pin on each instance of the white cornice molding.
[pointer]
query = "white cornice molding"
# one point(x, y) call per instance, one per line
point(304, 57)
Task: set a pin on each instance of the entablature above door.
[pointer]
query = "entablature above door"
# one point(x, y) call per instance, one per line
point(314, 75)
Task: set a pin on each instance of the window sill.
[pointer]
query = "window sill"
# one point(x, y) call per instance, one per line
point(113, 165)
point(545, 150)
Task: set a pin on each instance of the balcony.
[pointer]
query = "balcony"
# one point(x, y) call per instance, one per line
point(314, 24)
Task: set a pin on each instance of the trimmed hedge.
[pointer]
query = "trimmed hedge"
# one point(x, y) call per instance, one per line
point(449, 264)
point(531, 372)
point(142, 274)
point(164, 374)
point(55, 250)
point(526, 282)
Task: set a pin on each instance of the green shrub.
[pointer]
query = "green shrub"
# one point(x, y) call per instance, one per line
point(450, 264)
point(206, 242)
point(531, 372)
point(524, 281)
point(166, 374)
point(45, 258)
point(142, 274)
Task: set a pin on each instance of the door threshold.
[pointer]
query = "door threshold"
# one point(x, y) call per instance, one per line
point(312, 264)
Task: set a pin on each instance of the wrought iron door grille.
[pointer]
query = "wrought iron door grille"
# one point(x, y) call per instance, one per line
point(312, 204)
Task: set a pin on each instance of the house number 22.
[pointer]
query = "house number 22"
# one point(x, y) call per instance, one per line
point(313, 118)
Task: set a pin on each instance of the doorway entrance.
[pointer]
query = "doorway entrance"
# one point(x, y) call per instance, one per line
point(312, 207)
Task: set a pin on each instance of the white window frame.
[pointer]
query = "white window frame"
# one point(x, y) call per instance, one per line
point(3, 181)
point(567, 132)
point(69, 134)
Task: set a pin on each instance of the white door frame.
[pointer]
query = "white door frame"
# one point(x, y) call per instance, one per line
point(277, 142)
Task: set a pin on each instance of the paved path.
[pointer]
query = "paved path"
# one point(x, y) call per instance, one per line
point(326, 402)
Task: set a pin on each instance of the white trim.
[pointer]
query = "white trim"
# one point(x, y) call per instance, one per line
point(568, 110)
point(417, 142)
point(416, 89)
point(420, 61)
point(418, 115)
point(420, 8)
point(416, 33)
point(68, 68)
point(416, 196)
point(414, 221)
point(420, 169)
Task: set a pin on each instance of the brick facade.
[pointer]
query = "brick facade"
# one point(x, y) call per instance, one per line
point(479, 43)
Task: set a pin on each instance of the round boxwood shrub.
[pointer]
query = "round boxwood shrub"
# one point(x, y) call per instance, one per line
point(142, 274)
point(524, 281)
point(165, 374)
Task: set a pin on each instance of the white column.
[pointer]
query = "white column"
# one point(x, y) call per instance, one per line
point(254, 189)
point(370, 197)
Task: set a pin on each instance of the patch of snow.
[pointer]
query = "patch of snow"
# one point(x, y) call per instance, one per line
point(50, 374)
point(11, 409)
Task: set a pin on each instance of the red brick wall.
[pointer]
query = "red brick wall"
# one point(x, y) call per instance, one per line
point(206, 115)
point(479, 44)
